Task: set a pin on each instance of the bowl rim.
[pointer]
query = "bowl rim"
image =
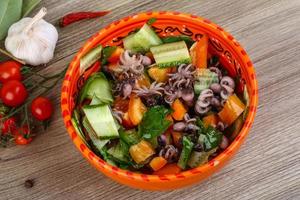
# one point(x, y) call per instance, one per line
point(100, 164)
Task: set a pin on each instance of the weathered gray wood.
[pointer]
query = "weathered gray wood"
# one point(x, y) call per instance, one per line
point(266, 167)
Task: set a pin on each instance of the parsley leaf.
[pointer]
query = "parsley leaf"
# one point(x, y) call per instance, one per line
point(170, 39)
point(154, 122)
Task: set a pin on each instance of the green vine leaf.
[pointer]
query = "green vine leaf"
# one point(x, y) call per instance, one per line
point(28, 6)
point(10, 12)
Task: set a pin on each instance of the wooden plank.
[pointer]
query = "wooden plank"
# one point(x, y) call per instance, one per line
point(266, 167)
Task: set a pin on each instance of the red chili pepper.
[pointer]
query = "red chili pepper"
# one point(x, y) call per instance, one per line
point(77, 16)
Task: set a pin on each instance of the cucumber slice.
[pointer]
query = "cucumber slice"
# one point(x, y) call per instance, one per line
point(119, 152)
point(101, 120)
point(97, 85)
point(99, 144)
point(131, 137)
point(200, 158)
point(107, 157)
point(96, 101)
point(204, 78)
point(90, 58)
point(171, 54)
point(76, 124)
point(185, 153)
point(142, 40)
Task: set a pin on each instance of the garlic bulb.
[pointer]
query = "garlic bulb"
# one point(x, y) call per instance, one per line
point(32, 40)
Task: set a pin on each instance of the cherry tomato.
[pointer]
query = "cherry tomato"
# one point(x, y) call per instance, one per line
point(13, 93)
point(10, 70)
point(41, 108)
point(8, 126)
point(22, 136)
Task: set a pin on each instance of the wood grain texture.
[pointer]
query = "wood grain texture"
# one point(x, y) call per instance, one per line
point(267, 165)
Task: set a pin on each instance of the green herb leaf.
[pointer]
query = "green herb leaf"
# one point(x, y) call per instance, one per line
point(211, 139)
point(154, 122)
point(170, 39)
point(201, 126)
point(28, 6)
point(151, 21)
point(186, 152)
point(106, 53)
point(10, 12)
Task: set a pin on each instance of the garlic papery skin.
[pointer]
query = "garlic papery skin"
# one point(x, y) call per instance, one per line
point(32, 40)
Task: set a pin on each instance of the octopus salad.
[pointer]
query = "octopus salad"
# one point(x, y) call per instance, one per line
point(159, 105)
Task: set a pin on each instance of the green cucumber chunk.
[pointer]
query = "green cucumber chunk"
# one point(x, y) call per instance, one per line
point(76, 124)
point(142, 40)
point(99, 144)
point(204, 78)
point(101, 120)
point(96, 101)
point(119, 152)
point(185, 153)
point(171, 54)
point(90, 58)
point(199, 158)
point(97, 85)
point(130, 137)
point(107, 157)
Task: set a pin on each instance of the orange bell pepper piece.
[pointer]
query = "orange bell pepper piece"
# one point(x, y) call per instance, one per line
point(159, 74)
point(168, 169)
point(141, 151)
point(176, 138)
point(126, 121)
point(143, 81)
point(232, 109)
point(210, 120)
point(136, 110)
point(157, 163)
point(179, 110)
point(199, 52)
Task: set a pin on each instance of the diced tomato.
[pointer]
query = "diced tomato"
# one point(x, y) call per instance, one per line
point(115, 56)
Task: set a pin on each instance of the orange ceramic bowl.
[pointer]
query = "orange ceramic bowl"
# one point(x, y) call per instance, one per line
point(221, 43)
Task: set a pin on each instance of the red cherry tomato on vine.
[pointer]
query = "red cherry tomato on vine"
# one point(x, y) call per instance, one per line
point(10, 70)
point(13, 93)
point(22, 136)
point(8, 126)
point(21, 140)
point(41, 108)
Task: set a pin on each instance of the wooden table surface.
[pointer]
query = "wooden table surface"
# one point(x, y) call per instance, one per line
point(267, 165)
